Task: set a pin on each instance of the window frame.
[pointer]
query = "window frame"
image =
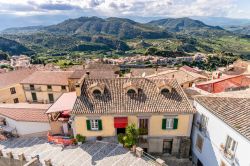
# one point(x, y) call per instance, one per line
point(49, 87)
point(230, 147)
point(170, 122)
point(94, 124)
point(200, 138)
point(13, 90)
point(16, 100)
point(203, 121)
point(63, 87)
point(51, 94)
point(32, 87)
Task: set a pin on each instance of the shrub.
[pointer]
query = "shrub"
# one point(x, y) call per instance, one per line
point(120, 138)
point(80, 138)
point(131, 137)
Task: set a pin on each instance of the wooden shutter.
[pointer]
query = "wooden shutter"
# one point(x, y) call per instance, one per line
point(100, 124)
point(175, 123)
point(88, 124)
point(164, 124)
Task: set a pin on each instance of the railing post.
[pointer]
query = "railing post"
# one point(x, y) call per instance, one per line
point(21, 157)
point(160, 162)
point(139, 152)
point(48, 162)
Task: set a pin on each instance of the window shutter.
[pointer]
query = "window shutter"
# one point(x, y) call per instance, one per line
point(164, 124)
point(100, 124)
point(175, 123)
point(88, 125)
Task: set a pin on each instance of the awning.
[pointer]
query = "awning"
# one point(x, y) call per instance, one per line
point(120, 122)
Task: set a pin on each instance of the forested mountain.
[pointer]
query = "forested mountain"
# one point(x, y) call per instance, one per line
point(86, 34)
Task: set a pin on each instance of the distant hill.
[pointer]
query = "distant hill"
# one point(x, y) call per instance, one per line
point(186, 25)
point(13, 47)
point(30, 29)
point(119, 27)
point(87, 34)
point(244, 30)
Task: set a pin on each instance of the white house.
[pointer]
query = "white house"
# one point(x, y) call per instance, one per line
point(221, 131)
point(25, 119)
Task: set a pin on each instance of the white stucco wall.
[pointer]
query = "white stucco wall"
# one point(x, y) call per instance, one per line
point(217, 132)
point(25, 128)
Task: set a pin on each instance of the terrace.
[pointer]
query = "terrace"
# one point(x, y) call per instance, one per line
point(90, 153)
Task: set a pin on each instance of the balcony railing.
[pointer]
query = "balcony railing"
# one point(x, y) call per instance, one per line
point(38, 89)
point(229, 155)
point(143, 131)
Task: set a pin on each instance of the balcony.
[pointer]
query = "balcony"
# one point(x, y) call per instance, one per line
point(37, 89)
point(227, 154)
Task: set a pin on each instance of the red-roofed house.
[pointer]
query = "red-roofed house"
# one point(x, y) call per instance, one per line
point(225, 84)
point(25, 119)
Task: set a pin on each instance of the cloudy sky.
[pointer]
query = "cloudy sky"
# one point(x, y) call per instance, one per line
point(37, 12)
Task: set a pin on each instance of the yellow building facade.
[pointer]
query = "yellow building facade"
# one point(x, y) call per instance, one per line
point(43, 93)
point(154, 125)
point(158, 107)
point(12, 94)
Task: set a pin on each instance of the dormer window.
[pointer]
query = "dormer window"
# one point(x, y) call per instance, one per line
point(165, 91)
point(163, 88)
point(131, 92)
point(96, 89)
point(97, 92)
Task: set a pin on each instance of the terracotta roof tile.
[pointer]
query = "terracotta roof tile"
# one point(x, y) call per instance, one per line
point(48, 78)
point(233, 111)
point(14, 77)
point(179, 75)
point(25, 114)
point(77, 74)
point(116, 100)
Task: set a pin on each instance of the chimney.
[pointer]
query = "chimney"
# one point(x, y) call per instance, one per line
point(78, 89)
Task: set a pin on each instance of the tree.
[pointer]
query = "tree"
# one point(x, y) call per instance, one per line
point(131, 135)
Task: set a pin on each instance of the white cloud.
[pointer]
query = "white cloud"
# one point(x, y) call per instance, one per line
point(163, 8)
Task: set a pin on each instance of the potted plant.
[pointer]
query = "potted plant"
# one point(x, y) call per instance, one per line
point(80, 139)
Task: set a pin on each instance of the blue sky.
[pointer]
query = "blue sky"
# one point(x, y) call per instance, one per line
point(44, 12)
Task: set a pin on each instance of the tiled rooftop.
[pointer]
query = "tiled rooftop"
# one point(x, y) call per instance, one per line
point(233, 111)
point(179, 75)
point(14, 77)
point(89, 153)
point(48, 78)
point(116, 100)
point(77, 74)
point(24, 114)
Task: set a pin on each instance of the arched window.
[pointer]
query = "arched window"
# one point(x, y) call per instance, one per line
point(131, 92)
point(165, 91)
point(97, 92)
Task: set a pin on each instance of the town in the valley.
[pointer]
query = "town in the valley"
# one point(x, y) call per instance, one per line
point(113, 112)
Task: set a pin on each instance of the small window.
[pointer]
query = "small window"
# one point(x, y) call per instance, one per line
point(230, 144)
point(51, 98)
point(97, 92)
point(131, 92)
point(16, 100)
point(12, 90)
point(63, 87)
point(203, 122)
point(199, 142)
point(164, 91)
point(49, 87)
point(32, 87)
point(169, 123)
point(94, 124)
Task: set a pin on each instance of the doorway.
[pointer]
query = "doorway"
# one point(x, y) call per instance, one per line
point(120, 131)
point(167, 146)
